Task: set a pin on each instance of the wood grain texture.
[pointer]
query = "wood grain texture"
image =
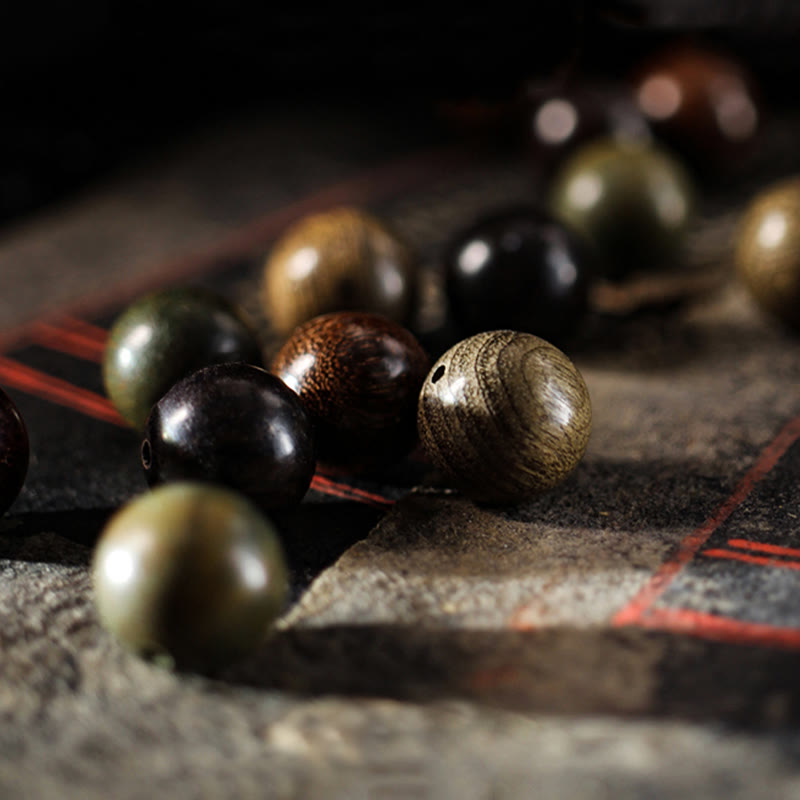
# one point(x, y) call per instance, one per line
point(359, 376)
point(504, 415)
point(339, 260)
point(768, 251)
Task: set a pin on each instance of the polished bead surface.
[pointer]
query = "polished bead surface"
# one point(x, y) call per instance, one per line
point(168, 334)
point(14, 452)
point(340, 260)
point(189, 571)
point(768, 251)
point(518, 269)
point(700, 103)
point(633, 203)
point(235, 425)
point(359, 376)
point(504, 415)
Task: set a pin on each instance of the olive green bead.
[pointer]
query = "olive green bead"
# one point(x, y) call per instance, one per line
point(768, 251)
point(504, 415)
point(632, 202)
point(166, 335)
point(189, 571)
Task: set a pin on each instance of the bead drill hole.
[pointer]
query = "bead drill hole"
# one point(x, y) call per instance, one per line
point(437, 375)
point(147, 454)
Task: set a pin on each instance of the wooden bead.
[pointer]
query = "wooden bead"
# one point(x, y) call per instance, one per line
point(633, 203)
point(768, 251)
point(234, 425)
point(189, 571)
point(164, 336)
point(504, 415)
point(337, 261)
point(518, 268)
point(700, 103)
point(557, 122)
point(359, 376)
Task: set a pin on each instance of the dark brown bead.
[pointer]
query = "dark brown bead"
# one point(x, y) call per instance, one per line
point(504, 415)
point(234, 425)
point(14, 452)
point(768, 251)
point(340, 260)
point(359, 376)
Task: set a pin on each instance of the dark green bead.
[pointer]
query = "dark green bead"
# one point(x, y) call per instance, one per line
point(166, 335)
point(633, 203)
point(189, 571)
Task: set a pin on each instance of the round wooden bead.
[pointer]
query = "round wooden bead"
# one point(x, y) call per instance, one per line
point(168, 334)
point(518, 268)
point(235, 425)
point(14, 452)
point(359, 376)
point(504, 415)
point(768, 251)
point(633, 203)
point(339, 260)
point(189, 571)
point(700, 103)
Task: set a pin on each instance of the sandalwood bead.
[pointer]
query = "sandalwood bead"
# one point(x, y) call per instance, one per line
point(768, 251)
point(340, 260)
point(504, 415)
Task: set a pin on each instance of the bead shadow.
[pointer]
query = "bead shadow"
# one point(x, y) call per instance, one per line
point(52, 537)
point(556, 670)
point(657, 341)
point(314, 535)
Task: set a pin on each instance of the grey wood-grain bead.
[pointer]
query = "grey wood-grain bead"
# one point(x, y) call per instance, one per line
point(504, 415)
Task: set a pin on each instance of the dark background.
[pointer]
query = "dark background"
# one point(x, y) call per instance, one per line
point(89, 86)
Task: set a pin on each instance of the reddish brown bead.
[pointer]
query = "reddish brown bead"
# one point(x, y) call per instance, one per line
point(359, 376)
point(701, 104)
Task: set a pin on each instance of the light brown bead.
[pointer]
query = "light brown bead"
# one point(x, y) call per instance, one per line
point(504, 415)
point(768, 251)
point(341, 260)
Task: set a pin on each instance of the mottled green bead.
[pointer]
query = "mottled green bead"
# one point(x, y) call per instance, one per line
point(166, 335)
point(189, 571)
point(632, 202)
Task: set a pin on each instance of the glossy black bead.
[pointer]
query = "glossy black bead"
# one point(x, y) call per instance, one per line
point(235, 425)
point(14, 452)
point(518, 269)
